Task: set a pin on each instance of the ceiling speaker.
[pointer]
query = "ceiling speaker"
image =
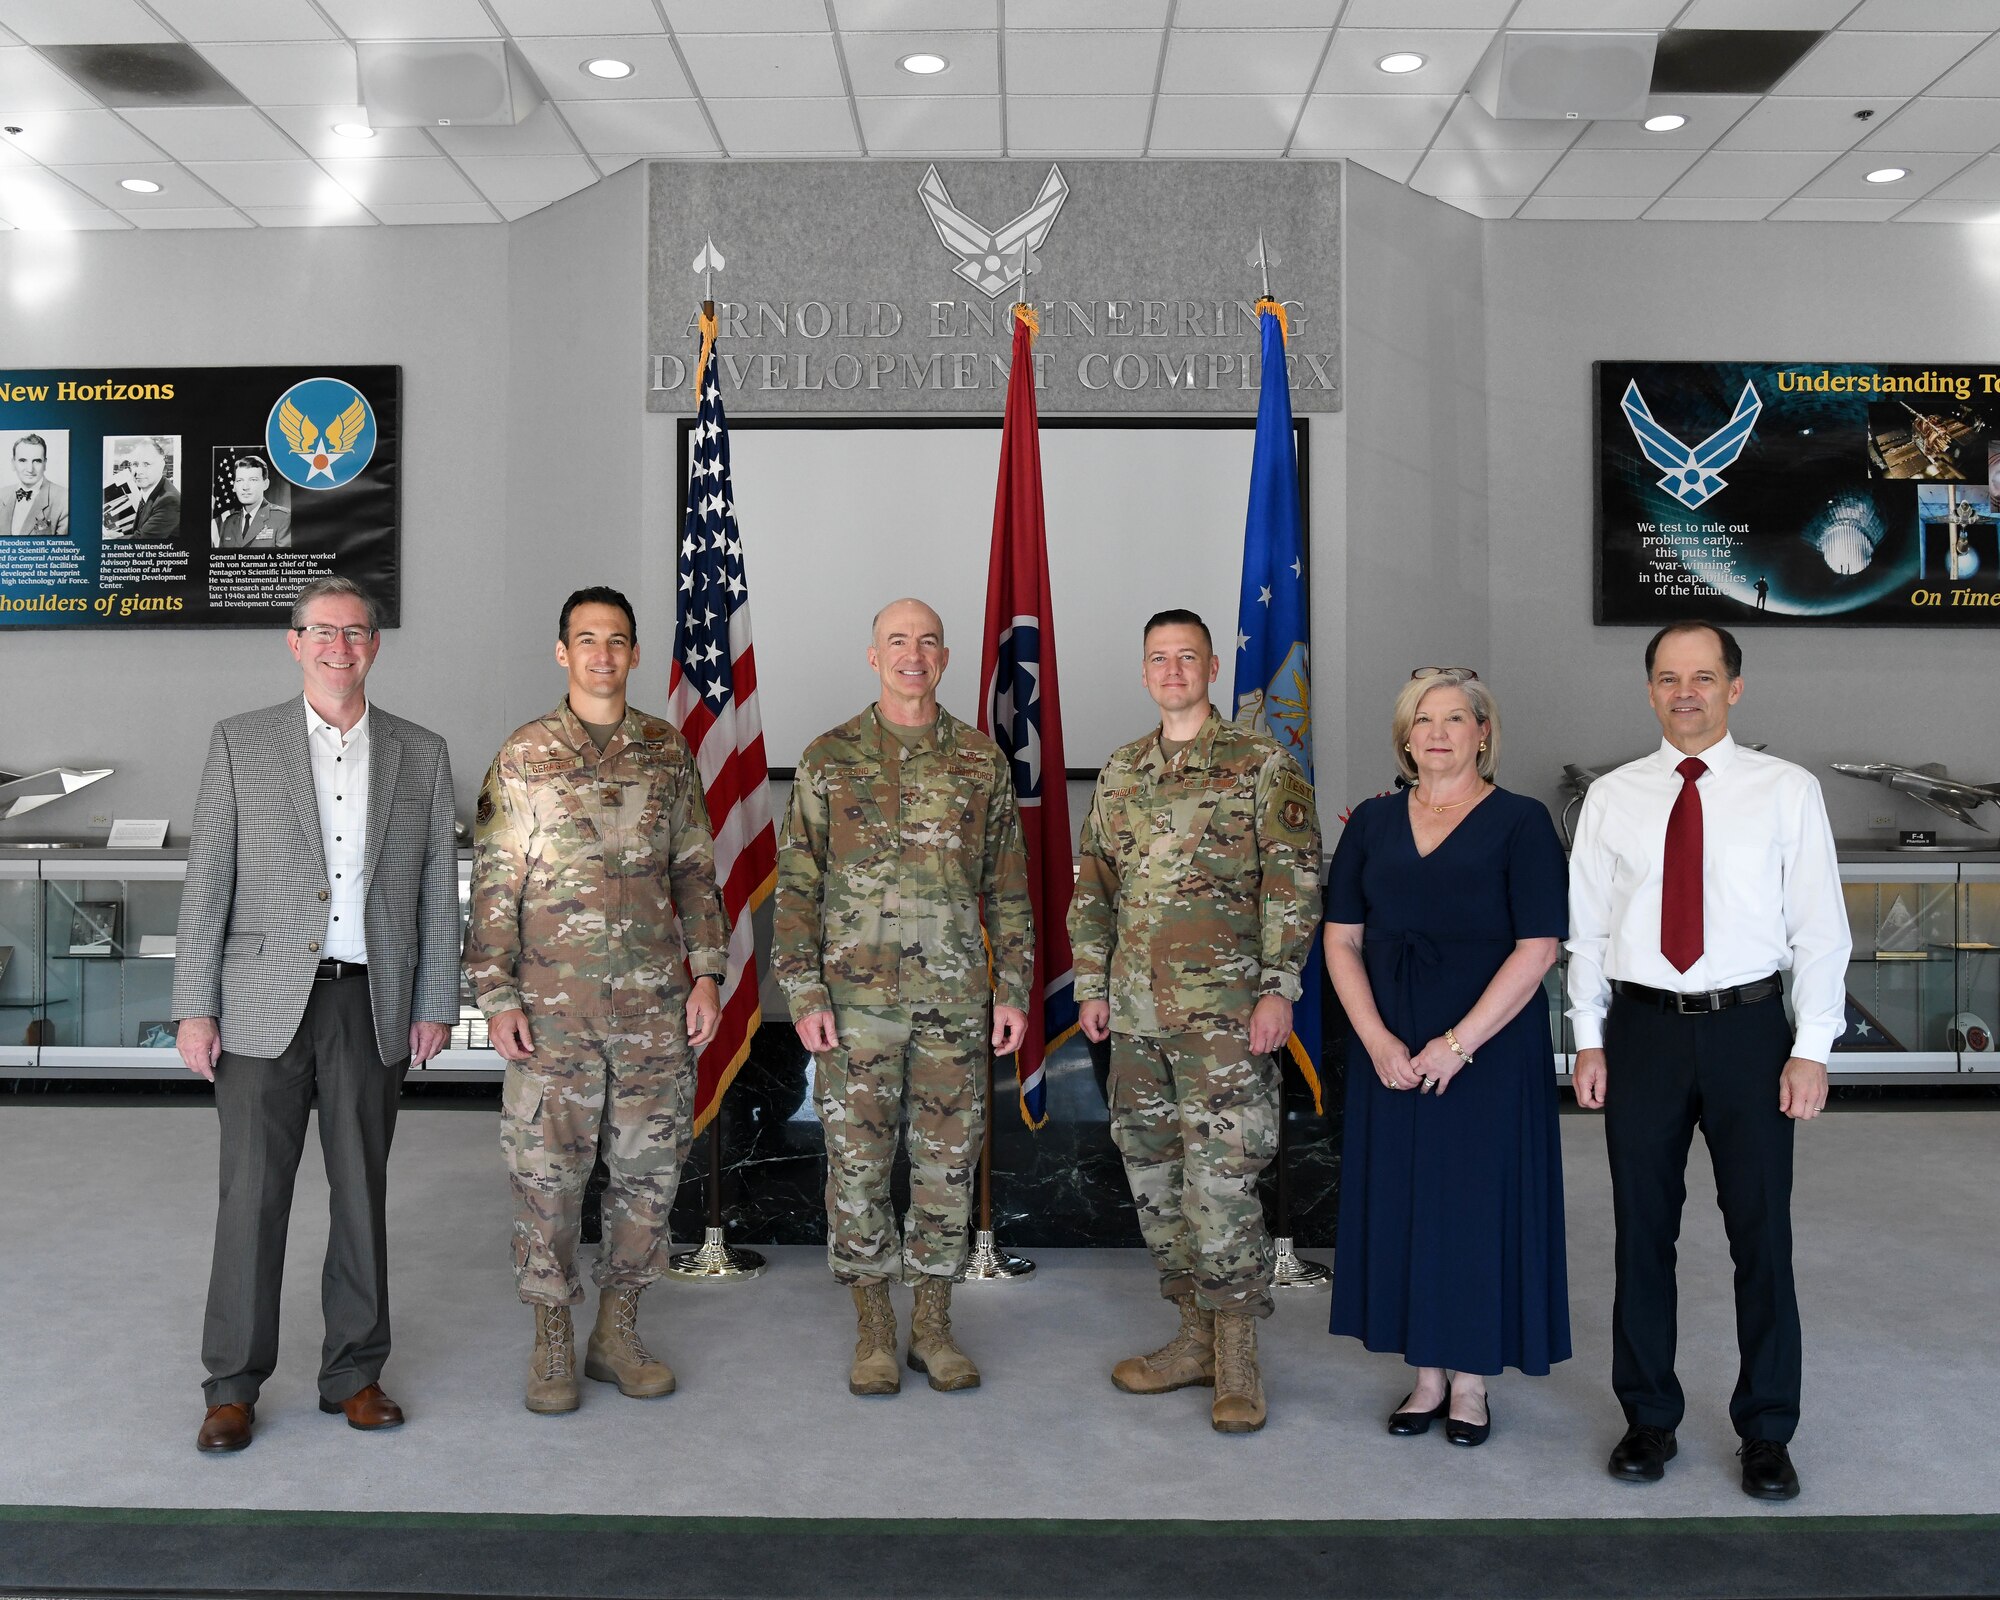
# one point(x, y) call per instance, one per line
point(1561, 76)
point(474, 83)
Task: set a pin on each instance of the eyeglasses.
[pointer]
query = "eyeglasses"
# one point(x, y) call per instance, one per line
point(1432, 672)
point(322, 633)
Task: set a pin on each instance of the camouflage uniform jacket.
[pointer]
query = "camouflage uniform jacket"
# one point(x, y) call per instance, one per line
point(589, 871)
point(885, 858)
point(1199, 885)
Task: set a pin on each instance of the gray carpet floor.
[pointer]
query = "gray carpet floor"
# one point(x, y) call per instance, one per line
point(109, 1214)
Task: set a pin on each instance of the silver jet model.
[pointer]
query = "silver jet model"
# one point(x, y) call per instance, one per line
point(1929, 784)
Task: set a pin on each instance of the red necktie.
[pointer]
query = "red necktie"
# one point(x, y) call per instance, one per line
point(1680, 883)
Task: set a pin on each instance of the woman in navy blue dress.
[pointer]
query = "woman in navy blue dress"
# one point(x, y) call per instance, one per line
point(1445, 906)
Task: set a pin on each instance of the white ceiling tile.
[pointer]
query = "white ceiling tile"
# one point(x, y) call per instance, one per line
point(1806, 122)
point(1799, 14)
point(82, 22)
point(1348, 122)
point(1086, 14)
point(1710, 208)
point(915, 125)
point(1931, 123)
point(785, 127)
point(1207, 124)
point(1395, 165)
point(1980, 181)
point(434, 181)
point(540, 133)
point(527, 18)
point(1749, 174)
point(1251, 15)
point(1483, 172)
point(11, 156)
point(1281, 61)
point(1081, 62)
point(212, 133)
point(1933, 209)
point(9, 38)
point(1448, 61)
point(411, 19)
point(529, 180)
point(28, 83)
point(871, 63)
point(1470, 128)
point(1878, 63)
point(270, 183)
point(179, 188)
point(310, 74)
point(1046, 124)
point(1709, 116)
point(890, 15)
point(1609, 173)
point(1546, 207)
point(1823, 210)
point(474, 211)
point(204, 21)
point(650, 127)
point(1426, 13)
point(1914, 16)
point(31, 196)
point(59, 137)
point(204, 217)
point(1492, 207)
point(763, 65)
point(1589, 14)
point(558, 62)
point(97, 221)
point(614, 161)
point(748, 16)
point(348, 216)
point(1972, 77)
point(1846, 178)
point(312, 127)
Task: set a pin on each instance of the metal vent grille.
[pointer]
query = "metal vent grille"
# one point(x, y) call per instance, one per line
point(128, 75)
point(1727, 60)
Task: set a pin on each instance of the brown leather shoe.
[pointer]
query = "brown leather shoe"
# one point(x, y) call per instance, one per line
point(370, 1408)
point(225, 1427)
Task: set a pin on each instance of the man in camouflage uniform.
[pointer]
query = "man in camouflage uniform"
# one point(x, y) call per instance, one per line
point(1195, 908)
point(902, 821)
point(594, 884)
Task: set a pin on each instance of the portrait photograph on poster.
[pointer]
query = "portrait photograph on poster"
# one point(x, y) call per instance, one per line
point(142, 491)
point(1796, 493)
point(38, 507)
point(252, 503)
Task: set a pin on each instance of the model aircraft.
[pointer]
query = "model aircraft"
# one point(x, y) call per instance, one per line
point(24, 792)
point(1929, 784)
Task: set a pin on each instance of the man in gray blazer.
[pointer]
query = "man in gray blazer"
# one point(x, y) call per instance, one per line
point(317, 957)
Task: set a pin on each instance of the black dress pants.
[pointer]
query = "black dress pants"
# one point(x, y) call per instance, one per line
point(1666, 1075)
point(262, 1105)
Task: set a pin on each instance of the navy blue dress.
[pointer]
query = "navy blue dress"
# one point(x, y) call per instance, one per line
point(1450, 1244)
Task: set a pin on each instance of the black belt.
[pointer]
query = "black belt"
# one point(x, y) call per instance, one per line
point(1744, 994)
point(334, 971)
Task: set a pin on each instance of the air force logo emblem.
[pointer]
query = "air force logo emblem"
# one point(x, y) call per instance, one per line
point(321, 433)
point(1014, 705)
point(993, 260)
point(1693, 473)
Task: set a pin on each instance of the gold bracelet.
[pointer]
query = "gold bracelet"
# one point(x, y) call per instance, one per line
point(1457, 1049)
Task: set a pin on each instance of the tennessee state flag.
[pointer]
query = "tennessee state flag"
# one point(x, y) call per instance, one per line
point(1021, 710)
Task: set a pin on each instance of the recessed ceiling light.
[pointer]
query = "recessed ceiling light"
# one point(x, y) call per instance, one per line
point(1888, 174)
point(1665, 124)
point(923, 64)
point(139, 185)
point(1401, 61)
point(607, 67)
point(354, 130)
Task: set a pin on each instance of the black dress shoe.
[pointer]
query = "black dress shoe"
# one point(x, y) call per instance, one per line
point(1642, 1455)
point(1406, 1424)
point(1469, 1433)
point(1768, 1473)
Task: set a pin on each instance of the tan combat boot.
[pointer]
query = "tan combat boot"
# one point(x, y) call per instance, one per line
point(1185, 1361)
point(615, 1355)
point(932, 1349)
point(874, 1370)
point(1239, 1387)
point(552, 1368)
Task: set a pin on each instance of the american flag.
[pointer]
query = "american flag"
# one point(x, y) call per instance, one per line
point(712, 698)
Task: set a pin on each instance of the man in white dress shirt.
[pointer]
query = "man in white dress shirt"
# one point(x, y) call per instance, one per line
point(1701, 872)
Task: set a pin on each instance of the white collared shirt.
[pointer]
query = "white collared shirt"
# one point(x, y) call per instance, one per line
point(1770, 889)
point(340, 784)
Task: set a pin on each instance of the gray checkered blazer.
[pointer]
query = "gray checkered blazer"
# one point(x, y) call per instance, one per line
point(254, 911)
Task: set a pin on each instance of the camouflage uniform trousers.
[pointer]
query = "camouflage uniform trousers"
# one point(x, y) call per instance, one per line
point(1195, 1115)
point(636, 1084)
point(932, 1062)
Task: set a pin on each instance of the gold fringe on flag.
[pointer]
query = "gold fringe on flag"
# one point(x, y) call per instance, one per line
point(707, 344)
point(1023, 312)
point(1277, 309)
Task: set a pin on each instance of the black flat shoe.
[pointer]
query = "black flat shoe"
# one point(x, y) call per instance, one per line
point(1469, 1433)
point(1642, 1455)
point(1405, 1424)
point(1768, 1473)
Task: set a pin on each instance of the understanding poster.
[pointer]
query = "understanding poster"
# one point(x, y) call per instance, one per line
point(1797, 493)
point(194, 496)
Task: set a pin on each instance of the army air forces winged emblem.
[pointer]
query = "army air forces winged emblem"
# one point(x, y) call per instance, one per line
point(993, 260)
point(321, 433)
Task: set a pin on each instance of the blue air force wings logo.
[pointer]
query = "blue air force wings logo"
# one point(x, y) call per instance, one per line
point(1693, 472)
point(993, 260)
point(321, 433)
point(1014, 705)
